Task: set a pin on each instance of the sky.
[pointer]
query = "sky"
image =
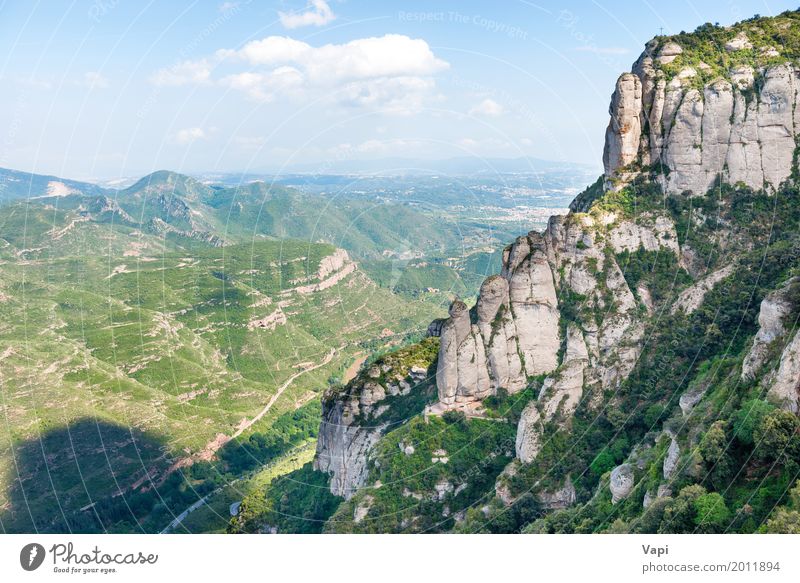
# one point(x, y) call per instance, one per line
point(105, 89)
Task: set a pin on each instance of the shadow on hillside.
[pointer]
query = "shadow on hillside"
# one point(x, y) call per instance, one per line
point(68, 480)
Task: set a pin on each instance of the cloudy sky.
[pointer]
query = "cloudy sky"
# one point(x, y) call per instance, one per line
point(115, 88)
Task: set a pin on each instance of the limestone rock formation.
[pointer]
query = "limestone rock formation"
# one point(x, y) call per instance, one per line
point(692, 297)
point(343, 446)
point(621, 482)
point(785, 388)
point(515, 334)
point(671, 460)
point(661, 117)
point(772, 314)
point(356, 416)
point(564, 497)
point(624, 130)
point(560, 393)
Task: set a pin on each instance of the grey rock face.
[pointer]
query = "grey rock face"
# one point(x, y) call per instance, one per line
point(516, 333)
point(691, 398)
point(785, 388)
point(771, 316)
point(561, 392)
point(343, 446)
point(671, 461)
point(562, 498)
point(352, 422)
point(701, 135)
point(625, 128)
point(621, 482)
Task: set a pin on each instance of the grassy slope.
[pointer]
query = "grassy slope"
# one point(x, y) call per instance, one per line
point(128, 330)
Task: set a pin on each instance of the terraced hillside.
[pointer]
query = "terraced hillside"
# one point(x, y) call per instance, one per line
point(129, 356)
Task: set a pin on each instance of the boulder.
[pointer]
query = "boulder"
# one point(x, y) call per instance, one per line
point(621, 482)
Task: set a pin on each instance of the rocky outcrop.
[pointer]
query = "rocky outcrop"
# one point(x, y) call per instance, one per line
point(344, 443)
point(621, 482)
point(624, 129)
point(772, 315)
point(692, 297)
point(356, 416)
point(560, 393)
point(700, 132)
point(564, 497)
point(514, 334)
point(671, 459)
point(785, 389)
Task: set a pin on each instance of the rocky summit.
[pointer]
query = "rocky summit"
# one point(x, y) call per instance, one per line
point(635, 367)
point(719, 104)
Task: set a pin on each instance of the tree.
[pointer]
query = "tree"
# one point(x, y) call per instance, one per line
point(783, 521)
point(602, 463)
point(777, 437)
point(713, 450)
point(748, 418)
point(679, 513)
point(711, 513)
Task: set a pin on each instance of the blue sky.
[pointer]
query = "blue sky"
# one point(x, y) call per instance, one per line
point(115, 88)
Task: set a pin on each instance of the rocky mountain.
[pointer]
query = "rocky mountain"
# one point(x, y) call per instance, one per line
point(633, 368)
point(718, 104)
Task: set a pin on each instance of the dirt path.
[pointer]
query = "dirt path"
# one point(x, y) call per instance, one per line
point(245, 426)
point(353, 369)
point(211, 448)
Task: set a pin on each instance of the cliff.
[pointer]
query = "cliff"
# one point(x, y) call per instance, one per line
point(638, 356)
point(717, 105)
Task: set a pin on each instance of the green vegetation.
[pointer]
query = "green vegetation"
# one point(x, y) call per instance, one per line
point(158, 336)
point(704, 49)
point(414, 493)
point(298, 502)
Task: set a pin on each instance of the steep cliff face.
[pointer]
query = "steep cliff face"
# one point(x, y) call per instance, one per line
point(697, 114)
point(354, 417)
point(517, 331)
point(634, 318)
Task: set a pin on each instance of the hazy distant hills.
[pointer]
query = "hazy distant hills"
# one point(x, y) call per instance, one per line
point(15, 184)
point(180, 207)
point(394, 167)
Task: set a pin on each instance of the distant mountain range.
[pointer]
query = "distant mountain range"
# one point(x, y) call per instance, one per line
point(19, 184)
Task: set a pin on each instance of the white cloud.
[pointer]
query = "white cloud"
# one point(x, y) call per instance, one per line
point(95, 80)
point(393, 72)
point(488, 108)
point(603, 50)
point(189, 135)
point(317, 13)
point(228, 6)
point(264, 86)
point(391, 55)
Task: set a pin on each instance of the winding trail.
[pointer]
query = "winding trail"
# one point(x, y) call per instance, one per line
point(283, 387)
point(244, 427)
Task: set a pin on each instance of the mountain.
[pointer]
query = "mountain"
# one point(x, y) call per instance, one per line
point(162, 341)
point(180, 208)
point(15, 185)
point(635, 367)
point(139, 377)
